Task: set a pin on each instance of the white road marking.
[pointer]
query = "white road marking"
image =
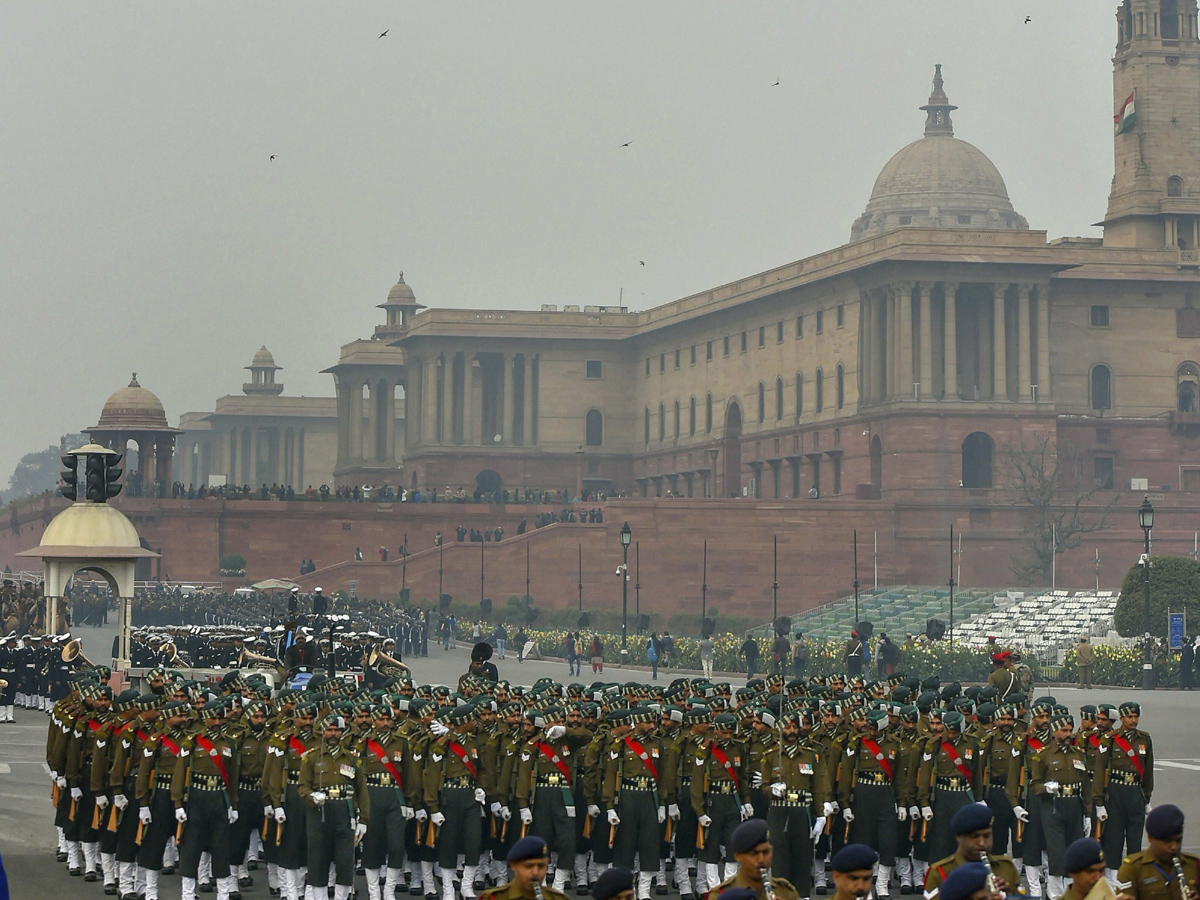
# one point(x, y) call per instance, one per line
point(1176, 765)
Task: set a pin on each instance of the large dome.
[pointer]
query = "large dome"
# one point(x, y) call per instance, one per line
point(938, 181)
point(132, 407)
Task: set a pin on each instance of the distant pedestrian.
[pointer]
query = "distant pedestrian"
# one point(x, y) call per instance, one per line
point(652, 650)
point(1187, 661)
point(597, 653)
point(750, 654)
point(853, 655)
point(707, 651)
point(799, 655)
point(1085, 655)
point(522, 639)
point(500, 635)
point(781, 649)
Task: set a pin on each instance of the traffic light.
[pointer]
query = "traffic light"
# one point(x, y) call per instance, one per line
point(70, 476)
point(111, 476)
point(101, 476)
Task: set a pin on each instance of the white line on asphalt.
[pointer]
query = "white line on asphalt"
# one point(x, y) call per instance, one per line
point(1177, 765)
point(5, 769)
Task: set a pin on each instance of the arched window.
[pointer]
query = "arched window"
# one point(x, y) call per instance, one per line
point(762, 403)
point(676, 420)
point(708, 413)
point(662, 423)
point(692, 417)
point(1188, 388)
point(778, 399)
point(1174, 186)
point(977, 461)
point(799, 396)
point(841, 386)
point(647, 438)
point(1101, 388)
point(594, 428)
point(819, 387)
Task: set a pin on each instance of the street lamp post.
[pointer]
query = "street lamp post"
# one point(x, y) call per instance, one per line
point(855, 577)
point(626, 537)
point(637, 583)
point(1146, 520)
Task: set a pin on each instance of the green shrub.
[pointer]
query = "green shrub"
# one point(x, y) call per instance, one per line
point(1174, 585)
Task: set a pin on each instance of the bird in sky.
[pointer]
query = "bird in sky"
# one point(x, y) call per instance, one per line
point(272, 159)
point(1028, 19)
point(627, 143)
point(641, 262)
point(776, 84)
point(386, 30)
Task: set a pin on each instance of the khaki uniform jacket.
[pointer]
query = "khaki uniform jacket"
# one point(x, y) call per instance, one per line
point(444, 763)
point(194, 758)
point(395, 750)
point(1005, 682)
point(936, 763)
point(1064, 763)
point(620, 761)
point(1113, 759)
point(706, 771)
point(336, 766)
point(1144, 878)
point(780, 888)
point(1002, 867)
point(158, 761)
point(1002, 763)
point(511, 892)
point(857, 758)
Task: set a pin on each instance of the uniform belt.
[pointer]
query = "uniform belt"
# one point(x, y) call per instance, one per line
point(792, 798)
point(999, 782)
point(162, 782)
point(250, 784)
point(338, 791)
point(873, 778)
point(1131, 778)
point(293, 777)
point(953, 783)
point(555, 780)
point(685, 779)
point(724, 786)
point(381, 779)
point(207, 782)
point(643, 783)
point(1070, 790)
point(458, 781)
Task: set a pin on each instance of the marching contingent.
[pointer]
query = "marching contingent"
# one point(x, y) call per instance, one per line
point(779, 789)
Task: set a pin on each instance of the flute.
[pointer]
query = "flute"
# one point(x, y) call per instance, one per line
point(537, 891)
point(1179, 875)
point(991, 877)
point(765, 873)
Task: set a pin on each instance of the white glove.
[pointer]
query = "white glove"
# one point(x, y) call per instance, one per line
point(505, 813)
point(53, 777)
point(101, 801)
point(1087, 827)
point(613, 818)
point(662, 814)
point(673, 811)
point(902, 814)
point(1101, 814)
point(438, 819)
point(406, 811)
point(554, 732)
point(747, 810)
point(914, 813)
point(181, 814)
point(1052, 788)
point(438, 728)
point(76, 794)
point(317, 797)
point(527, 815)
point(818, 827)
point(422, 815)
point(926, 813)
point(120, 801)
point(593, 810)
point(756, 781)
point(359, 830)
point(268, 811)
point(779, 788)
point(280, 815)
point(480, 796)
point(828, 809)
point(705, 821)
point(61, 782)
point(233, 816)
point(834, 805)
point(495, 808)
point(144, 814)
point(848, 814)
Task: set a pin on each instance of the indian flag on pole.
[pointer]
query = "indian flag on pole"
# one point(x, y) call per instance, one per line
point(1126, 117)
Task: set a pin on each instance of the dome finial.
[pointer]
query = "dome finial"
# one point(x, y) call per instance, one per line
point(133, 382)
point(938, 109)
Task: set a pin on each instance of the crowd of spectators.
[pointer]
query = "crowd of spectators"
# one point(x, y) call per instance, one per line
point(367, 493)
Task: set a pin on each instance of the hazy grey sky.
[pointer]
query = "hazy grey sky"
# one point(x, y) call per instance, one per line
point(477, 147)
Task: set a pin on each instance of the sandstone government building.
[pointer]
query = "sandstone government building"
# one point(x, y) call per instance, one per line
point(893, 374)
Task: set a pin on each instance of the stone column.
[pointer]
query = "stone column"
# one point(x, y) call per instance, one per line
point(356, 420)
point(1043, 333)
point(448, 401)
point(879, 327)
point(865, 344)
point(926, 342)
point(252, 475)
point(412, 402)
point(389, 421)
point(1023, 393)
point(429, 401)
point(892, 299)
point(906, 348)
point(999, 359)
point(506, 414)
point(950, 289)
point(373, 424)
point(468, 414)
point(527, 404)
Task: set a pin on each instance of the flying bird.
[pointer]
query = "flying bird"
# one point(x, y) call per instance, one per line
point(776, 84)
point(627, 143)
point(272, 159)
point(1028, 19)
point(384, 33)
point(641, 262)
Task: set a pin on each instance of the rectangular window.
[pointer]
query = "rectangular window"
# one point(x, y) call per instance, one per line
point(647, 367)
point(906, 220)
point(662, 363)
point(964, 220)
point(1102, 472)
point(841, 315)
point(779, 332)
point(693, 362)
point(708, 351)
point(743, 342)
point(1099, 316)
point(837, 474)
point(762, 336)
point(820, 321)
point(799, 326)
point(595, 368)
point(725, 348)
point(677, 357)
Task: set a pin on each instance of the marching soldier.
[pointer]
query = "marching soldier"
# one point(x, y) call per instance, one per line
point(253, 751)
point(122, 782)
point(125, 711)
point(283, 796)
point(156, 810)
point(720, 795)
point(389, 771)
point(334, 791)
point(867, 789)
point(1001, 754)
point(696, 723)
point(1059, 780)
point(909, 762)
point(454, 797)
point(751, 846)
point(1124, 781)
point(1154, 873)
point(83, 826)
point(972, 827)
point(950, 778)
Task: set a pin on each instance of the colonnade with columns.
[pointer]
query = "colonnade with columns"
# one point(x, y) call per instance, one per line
point(948, 340)
point(473, 399)
point(366, 419)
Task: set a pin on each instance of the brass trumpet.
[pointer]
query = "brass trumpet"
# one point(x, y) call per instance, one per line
point(386, 665)
point(73, 652)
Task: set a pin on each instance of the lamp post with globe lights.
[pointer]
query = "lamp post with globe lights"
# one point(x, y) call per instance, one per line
point(1146, 520)
point(626, 538)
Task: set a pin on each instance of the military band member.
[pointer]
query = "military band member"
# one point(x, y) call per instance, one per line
point(1124, 781)
point(1152, 874)
point(853, 871)
point(1059, 779)
point(527, 860)
point(972, 827)
point(613, 884)
point(751, 846)
point(1084, 862)
point(390, 774)
point(969, 882)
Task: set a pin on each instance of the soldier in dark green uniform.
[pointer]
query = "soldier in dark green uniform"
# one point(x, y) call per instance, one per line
point(1059, 780)
point(950, 778)
point(1001, 754)
point(750, 845)
point(252, 743)
point(454, 797)
point(204, 791)
point(867, 789)
point(909, 756)
point(122, 781)
point(972, 827)
point(125, 711)
point(720, 794)
point(528, 860)
point(696, 719)
point(390, 772)
point(1152, 874)
point(334, 790)
point(80, 751)
point(284, 795)
point(156, 810)
point(1124, 781)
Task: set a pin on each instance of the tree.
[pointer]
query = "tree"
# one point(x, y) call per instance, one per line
point(1174, 586)
point(39, 471)
point(1049, 479)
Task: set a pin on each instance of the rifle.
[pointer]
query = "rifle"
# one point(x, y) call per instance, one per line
point(113, 819)
point(95, 817)
point(700, 828)
point(55, 793)
point(141, 832)
point(431, 835)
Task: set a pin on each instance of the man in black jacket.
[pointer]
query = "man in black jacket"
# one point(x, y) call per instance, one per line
point(1187, 661)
